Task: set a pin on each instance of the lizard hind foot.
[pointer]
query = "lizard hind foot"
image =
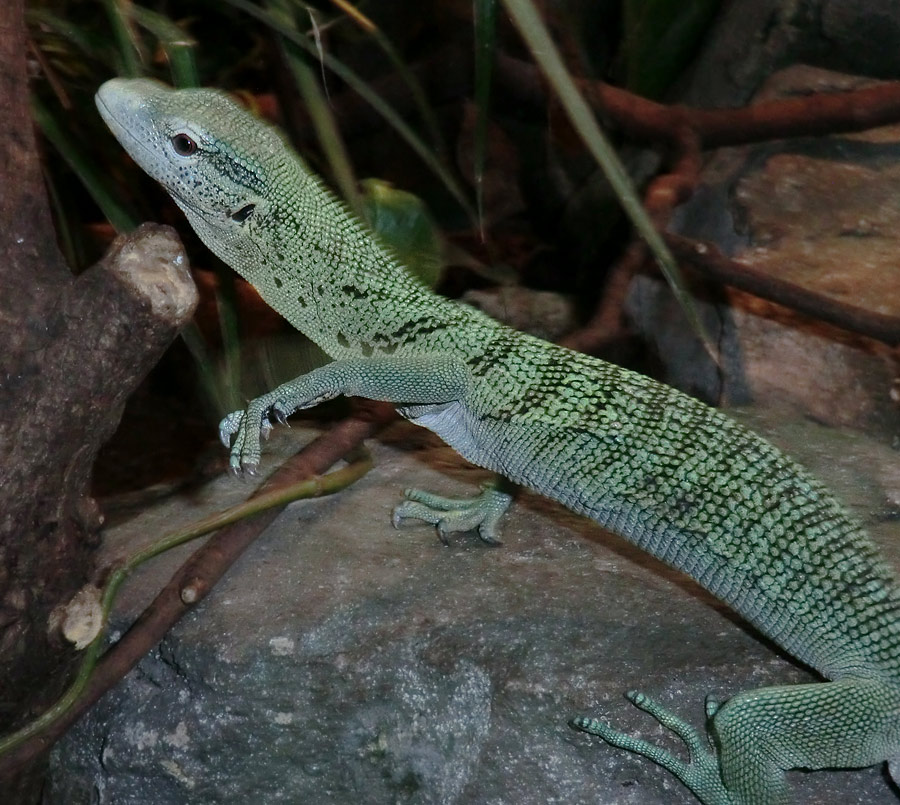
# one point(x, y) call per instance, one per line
point(481, 513)
point(700, 773)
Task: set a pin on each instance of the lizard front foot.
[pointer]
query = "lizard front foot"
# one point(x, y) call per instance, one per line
point(245, 447)
point(481, 513)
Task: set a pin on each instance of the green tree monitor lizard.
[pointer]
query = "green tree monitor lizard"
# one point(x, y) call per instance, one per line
point(676, 477)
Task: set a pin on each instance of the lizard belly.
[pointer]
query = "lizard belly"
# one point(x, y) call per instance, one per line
point(453, 423)
point(447, 420)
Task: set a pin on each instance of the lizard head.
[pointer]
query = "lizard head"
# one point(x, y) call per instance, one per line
point(215, 159)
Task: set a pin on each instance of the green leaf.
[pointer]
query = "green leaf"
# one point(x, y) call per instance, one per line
point(402, 222)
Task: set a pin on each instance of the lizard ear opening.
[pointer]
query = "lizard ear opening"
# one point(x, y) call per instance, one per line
point(243, 213)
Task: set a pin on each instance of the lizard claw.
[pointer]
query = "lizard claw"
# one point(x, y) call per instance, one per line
point(240, 469)
point(243, 441)
point(443, 533)
point(280, 414)
point(701, 772)
point(242, 431)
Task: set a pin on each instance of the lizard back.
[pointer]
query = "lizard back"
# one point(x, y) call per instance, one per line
point(695, 489)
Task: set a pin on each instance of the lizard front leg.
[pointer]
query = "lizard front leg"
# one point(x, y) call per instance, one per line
point(400, 380)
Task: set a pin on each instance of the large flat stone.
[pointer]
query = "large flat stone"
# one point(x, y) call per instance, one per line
point(341, 660)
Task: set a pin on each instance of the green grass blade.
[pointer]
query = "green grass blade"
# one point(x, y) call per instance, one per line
point(128, 46)
point(68, 243)
point(485, 45)
point(214, 389)
point(420, 99)
point(412, 83)
point(327, 131)
point(68, 30)
point(177, 44)
point(660, 38)
point(229, 330)
point(86, 170)
point(365, 91)
point(527, 20)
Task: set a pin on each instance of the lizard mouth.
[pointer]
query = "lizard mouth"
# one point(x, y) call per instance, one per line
point(116, 115)
point(183, 202)
point(123, 134)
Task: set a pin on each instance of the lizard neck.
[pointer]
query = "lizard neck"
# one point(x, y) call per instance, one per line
point(316, 264)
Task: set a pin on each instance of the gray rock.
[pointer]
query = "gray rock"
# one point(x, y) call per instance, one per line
point(343, 661)
point(751, 40)
point(817, 212)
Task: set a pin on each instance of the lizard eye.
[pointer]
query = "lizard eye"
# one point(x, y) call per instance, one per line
point(184, 146)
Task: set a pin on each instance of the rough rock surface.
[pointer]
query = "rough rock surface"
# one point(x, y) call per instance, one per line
point(821, 213)
point(750, 41)
point(343, 661)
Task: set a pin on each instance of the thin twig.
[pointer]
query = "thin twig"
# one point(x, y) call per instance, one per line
point(711, 262)
point(663, 194)
point(193, 581)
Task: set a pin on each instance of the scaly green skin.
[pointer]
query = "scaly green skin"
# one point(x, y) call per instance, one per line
point(674, 476)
